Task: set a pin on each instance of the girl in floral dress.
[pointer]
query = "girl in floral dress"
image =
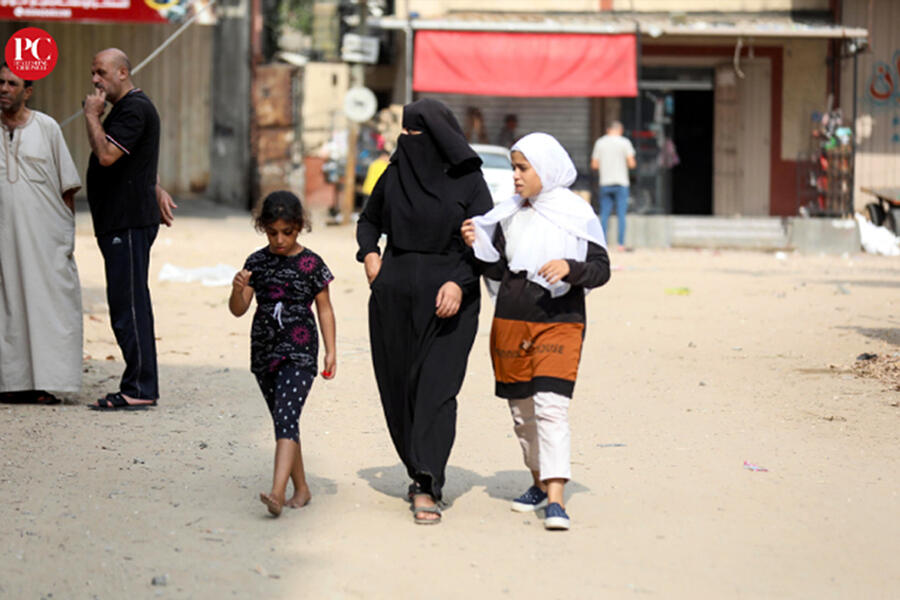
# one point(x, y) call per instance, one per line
point(286, 279)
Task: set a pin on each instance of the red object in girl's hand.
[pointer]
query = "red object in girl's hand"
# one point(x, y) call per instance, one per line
point(326, 373)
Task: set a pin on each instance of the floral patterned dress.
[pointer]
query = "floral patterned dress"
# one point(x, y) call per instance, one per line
point(284, 327)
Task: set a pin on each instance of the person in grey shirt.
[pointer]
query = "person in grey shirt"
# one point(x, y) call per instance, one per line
point(612, 156)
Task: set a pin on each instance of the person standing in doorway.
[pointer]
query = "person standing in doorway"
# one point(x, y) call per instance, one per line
point(127, 206)
point(613, 155)
point(40, 296)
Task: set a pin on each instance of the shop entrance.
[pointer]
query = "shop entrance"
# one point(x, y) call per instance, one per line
point(692, 134)
point(674, 142)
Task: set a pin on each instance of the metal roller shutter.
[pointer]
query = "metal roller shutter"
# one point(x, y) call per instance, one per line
point(567, 119)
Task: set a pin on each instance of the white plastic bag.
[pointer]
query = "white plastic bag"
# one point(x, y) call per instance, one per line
point(877, 240)
point(219, 275)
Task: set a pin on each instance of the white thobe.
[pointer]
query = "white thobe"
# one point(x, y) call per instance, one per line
point(40, 296)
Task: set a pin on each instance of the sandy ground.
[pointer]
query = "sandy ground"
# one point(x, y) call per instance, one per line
point(677, 390)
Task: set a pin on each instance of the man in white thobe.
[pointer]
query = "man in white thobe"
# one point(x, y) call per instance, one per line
point(40, 296)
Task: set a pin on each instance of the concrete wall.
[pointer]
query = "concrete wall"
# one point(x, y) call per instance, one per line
point(804, 92)
point(324, 88)
point(229, 146)
point(429, 8)
point(720, 5)
point(809, 236)
point(432, 8)
point(877, 94)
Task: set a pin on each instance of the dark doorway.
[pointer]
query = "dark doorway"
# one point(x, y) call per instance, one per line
point(692, 133)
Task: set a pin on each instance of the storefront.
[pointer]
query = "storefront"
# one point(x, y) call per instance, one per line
point(719, 108)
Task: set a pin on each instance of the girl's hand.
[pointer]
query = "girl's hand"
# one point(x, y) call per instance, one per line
point(241, 293)
point(554, 270)
point(372, 263)
point(330, 368)
point(468, 232)
point(449, 297)
point(241, 280)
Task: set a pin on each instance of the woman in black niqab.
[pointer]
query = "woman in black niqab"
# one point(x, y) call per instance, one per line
point(425, 296)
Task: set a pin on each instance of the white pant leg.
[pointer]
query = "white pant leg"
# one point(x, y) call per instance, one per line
point(554, 440)
point(525, 426)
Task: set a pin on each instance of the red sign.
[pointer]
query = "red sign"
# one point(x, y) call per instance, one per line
point(133, 11)
point(31, 53)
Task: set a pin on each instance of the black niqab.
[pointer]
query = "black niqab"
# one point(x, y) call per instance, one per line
point(430, 182)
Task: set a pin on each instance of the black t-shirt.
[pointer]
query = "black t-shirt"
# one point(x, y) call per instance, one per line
point(123, 195)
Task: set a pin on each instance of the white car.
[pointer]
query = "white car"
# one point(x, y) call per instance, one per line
point(497, 170)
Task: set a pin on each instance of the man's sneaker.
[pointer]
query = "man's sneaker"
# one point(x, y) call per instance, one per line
point(555, 517)
point(531, 500)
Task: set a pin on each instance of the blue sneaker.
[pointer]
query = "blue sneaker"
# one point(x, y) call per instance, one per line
point(531, 500)
point(555, 517)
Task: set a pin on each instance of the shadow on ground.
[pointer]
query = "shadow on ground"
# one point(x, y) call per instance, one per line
point(891, 335)
point(875, 283)
point(503, 485)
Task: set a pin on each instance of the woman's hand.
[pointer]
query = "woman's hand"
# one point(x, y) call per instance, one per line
point(468, 232)
point(554, 270)
point(372, 263)
point(449, 297)
point(329, 369)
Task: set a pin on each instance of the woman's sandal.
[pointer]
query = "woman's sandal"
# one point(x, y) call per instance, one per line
point(432, 510)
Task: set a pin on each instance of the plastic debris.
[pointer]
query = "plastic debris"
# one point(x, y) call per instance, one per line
point(877, 240)
point(867, 356)
point(219, 275)
point(751, 467)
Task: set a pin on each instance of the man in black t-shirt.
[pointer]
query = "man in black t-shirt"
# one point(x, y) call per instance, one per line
point(127, 206)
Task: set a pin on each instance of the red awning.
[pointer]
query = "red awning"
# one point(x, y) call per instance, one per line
point(525, 64)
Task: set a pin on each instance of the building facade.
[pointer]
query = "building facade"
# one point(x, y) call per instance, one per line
point(877, 95)
point(727, 93)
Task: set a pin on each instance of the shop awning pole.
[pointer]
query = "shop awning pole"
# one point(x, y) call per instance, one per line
point(852, 199)
point(637, 98)
point(408, 58)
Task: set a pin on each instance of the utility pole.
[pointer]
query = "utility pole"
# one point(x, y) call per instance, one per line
point(357, 78)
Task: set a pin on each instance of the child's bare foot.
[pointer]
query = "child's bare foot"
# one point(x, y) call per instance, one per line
point(300, 499)
point(272, 502)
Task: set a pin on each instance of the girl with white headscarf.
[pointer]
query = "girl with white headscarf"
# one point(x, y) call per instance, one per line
point(545, 247)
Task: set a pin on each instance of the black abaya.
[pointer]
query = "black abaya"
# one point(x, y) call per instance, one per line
point(420, 202)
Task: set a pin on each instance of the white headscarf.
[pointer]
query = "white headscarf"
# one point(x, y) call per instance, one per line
point(563, 225)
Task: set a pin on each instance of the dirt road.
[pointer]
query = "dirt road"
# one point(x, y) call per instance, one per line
point(694, 363)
